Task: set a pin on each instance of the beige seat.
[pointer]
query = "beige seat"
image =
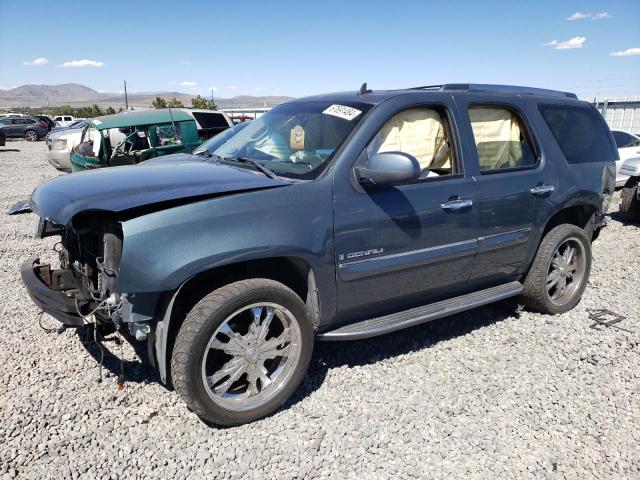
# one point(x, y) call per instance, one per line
point(418, 132)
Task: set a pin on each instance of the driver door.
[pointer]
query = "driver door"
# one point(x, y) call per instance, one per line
point(405, 246)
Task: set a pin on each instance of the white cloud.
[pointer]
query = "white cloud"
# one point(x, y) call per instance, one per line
point(575, 42)
point(629, 52)
point(257, 89)
point(188, 84)
point(232, 87)
point(82, 64)
point(601, 15)
point(592, 16)
point(579, 16)
point(37, 62)
point(172, 83)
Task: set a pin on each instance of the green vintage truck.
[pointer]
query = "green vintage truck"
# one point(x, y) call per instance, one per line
point(134, 136)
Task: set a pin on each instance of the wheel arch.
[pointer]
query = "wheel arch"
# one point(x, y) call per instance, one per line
point(579, 215)
point(293, 272)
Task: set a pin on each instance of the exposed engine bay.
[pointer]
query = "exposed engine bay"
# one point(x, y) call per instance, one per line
point(89, 253)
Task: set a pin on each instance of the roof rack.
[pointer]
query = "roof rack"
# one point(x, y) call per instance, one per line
point(479, 87)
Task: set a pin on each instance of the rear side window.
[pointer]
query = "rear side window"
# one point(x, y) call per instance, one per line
point(210, 120)
point(580, 132)
point(501, 140)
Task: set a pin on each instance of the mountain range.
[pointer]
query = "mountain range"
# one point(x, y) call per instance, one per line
point(78, 95)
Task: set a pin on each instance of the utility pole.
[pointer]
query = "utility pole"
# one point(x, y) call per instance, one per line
point(126, 99)
point(212, 94)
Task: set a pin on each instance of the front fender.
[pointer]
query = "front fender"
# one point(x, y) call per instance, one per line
point(161, 250)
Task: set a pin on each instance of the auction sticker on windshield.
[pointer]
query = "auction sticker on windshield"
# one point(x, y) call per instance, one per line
point(342, 111)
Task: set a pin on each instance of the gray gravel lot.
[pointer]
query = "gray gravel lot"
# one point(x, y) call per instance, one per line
point(491, 393)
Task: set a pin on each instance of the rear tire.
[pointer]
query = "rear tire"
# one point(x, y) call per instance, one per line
point(559, 272)
point(31, 136)
point(227, 366)
point(629, 203)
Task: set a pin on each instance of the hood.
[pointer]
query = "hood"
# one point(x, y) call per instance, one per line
point(117, 189)
point(173, 158)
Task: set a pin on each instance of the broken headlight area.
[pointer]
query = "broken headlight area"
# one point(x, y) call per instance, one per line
point(89, 253)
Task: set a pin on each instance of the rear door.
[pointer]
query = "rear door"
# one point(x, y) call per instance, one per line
point(511, 178)
point(408, 245)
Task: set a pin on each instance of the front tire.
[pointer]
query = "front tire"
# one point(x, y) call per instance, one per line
point(242, 351)
point(31, 136)
point(629, 203)
point(560, 271)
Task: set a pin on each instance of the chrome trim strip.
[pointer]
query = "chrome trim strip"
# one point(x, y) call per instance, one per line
point(500, 240)
point(399, 261)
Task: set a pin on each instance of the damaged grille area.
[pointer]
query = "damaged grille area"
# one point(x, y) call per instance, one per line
point(89, 253)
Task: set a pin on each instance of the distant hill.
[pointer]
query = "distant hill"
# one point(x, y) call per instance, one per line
point(78, 95)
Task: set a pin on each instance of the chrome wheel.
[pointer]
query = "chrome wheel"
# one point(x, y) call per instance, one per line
point(31, 136)
point(566, 271)
point(251, 356)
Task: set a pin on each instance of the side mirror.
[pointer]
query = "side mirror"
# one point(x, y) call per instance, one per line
point(389, 168)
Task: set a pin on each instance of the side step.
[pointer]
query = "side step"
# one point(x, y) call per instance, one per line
point(426, 313)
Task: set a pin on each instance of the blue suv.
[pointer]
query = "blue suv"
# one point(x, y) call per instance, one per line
point(334, 217)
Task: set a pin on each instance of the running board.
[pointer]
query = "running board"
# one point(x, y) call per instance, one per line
point(426, 313)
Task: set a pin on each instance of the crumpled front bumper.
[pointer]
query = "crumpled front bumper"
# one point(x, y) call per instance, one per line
point(54, 302)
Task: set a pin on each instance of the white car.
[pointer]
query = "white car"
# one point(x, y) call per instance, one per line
point(59, 147)
point(628, 147)
point(64, 120)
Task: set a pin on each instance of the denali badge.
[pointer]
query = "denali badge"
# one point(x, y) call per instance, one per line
point(364, 253)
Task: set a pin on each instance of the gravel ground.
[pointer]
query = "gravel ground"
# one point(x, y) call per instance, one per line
point(492, 393)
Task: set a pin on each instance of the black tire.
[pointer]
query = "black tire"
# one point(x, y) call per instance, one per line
point(629, 203)
point(31, 136)
point(535, 294)
point(201, 324)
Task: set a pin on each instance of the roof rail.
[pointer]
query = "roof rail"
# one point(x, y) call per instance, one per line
point(479, 87)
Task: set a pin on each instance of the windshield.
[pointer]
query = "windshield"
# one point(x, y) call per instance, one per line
point(220, 139)
point(295, 139)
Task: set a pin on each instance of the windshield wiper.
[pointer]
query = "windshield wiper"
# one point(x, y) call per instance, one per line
point(260, 167)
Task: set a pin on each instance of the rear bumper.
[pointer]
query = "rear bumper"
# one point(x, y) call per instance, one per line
point(53, 302)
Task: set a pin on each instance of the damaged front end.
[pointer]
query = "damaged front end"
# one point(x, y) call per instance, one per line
point(83, 289)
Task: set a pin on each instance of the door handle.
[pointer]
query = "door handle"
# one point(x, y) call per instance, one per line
point(542, 190)
point(456, 204)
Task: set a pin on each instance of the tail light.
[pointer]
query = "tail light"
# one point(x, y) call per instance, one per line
point(43, 124)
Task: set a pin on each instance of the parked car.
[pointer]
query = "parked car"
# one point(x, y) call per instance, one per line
point(336, 217)
point(630, 194)
point(3, 138)
point(50, 123)
point(29, 128)
point(202, 152)
point(74, 125)
point(63, 120)
point(628, 146)
point(209, 122)
point(132, 137)
point(61, 142)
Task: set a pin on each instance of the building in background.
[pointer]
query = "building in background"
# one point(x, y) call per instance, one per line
point(620, 113)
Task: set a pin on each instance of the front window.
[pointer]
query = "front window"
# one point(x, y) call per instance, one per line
point(297, 139)
point(220, 139)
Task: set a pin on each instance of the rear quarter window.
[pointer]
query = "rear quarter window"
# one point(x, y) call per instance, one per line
point(580, 132)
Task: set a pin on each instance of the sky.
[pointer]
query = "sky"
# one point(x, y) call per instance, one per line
point(300, 48)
